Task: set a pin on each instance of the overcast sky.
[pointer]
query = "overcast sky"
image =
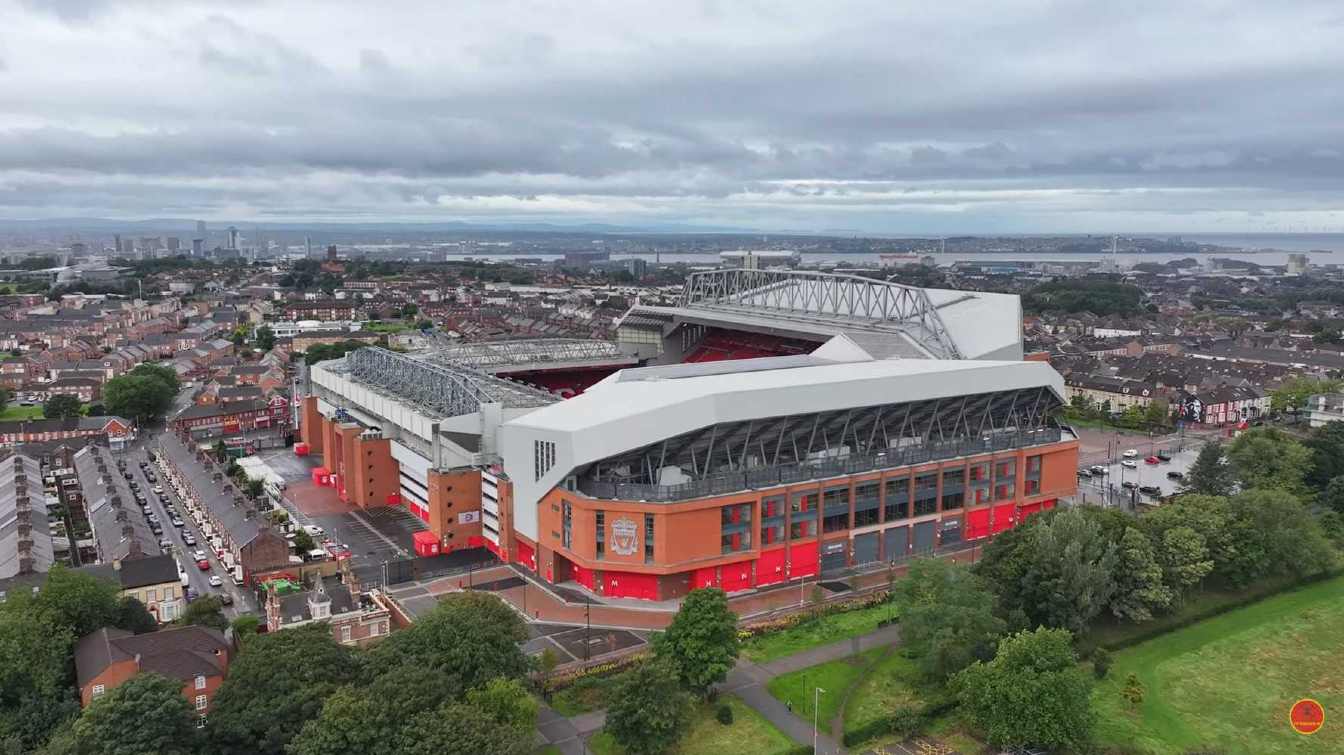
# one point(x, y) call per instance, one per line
point(883, 117)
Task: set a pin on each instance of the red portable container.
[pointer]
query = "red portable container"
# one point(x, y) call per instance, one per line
point(426, 543)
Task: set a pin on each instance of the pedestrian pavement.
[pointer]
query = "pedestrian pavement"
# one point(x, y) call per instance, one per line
point(748, 681)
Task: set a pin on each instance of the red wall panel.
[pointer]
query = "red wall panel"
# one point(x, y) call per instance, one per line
point(736, 577)
point(804, 560)
point(527, 556)
point(583, 576)
point(1027, 510)
point(770, 567)
point(705, 577)
point(624, 584)
point(977, 524)
point(1004, 516)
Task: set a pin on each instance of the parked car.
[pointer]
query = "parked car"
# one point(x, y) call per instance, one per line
point(199, 555)
point(225, 599)
point(188, 538)
point(1151, 460)
point(203, 565)
point(178, 522)
point(1099, 469)
point(165, 544)
point(1152, 490)
point(1130, 453)
point(1129, 485)
point(1175, 476)
point(1164, 456)
point(215, 581)
point(1130, 464)
point(156, 529)
point(1087, 473)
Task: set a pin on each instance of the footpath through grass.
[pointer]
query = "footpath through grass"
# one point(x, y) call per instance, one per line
point(1227, 683)
point(821, 630)
point(796, 688)
point(748, 733)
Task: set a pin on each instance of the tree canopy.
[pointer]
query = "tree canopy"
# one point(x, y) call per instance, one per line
point(947, 616)
point(649, 711)
point(145, 714)
point(1209, 475)
point(61, 406)
point(205, 611)
point(701, 643)
point(143, 394)
point(324, 351)
point(1032, 694)
point(1266, 458)
point(277, 684)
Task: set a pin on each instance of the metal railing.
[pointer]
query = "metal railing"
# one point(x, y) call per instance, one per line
point(724, 483)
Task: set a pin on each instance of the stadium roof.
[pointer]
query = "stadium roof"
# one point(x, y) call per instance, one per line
point(530, 354)
point(436, 387)
point(887, 319)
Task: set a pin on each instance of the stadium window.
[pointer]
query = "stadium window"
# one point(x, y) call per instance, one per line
point(954, 482)
point(567, 525)
point(648, 538)
point(835, 522)
point(601, 521)
point(543, 458)
point(897, 498)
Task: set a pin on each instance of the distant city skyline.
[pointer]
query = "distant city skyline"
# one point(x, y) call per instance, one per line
point(846, 117)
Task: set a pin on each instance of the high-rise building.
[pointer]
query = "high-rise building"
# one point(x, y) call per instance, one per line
point(331, 253)
point(1297, 264)
point(198, 247)
point(233, 238)
point(116, 243)
point(307, 246)
point(174, 244)
point(200, 229)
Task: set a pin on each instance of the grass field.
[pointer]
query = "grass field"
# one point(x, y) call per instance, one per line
point(796, 687)
point(14, 411)
point(1228, 682)
point(892, 683)
point(820, 631)
point(749, 733)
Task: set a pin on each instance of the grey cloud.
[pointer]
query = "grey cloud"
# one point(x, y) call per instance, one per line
point(768, 115)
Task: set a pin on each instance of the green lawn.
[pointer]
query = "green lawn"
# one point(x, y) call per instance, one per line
point(583, 696)
point(796, 687)
point(14, 411)
point(1108, 632)
point(749, 733)
point(1227, 683)
point(893, 682)
point(820, 631)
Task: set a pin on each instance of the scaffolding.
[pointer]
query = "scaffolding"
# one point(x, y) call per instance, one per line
point(447, 390)
point(824, 298)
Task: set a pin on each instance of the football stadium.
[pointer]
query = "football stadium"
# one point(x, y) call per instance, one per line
point(771, 426)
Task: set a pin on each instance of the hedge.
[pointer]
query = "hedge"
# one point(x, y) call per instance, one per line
point(1194, 618)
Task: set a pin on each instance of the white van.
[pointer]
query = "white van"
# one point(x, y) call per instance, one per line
point(313, 530)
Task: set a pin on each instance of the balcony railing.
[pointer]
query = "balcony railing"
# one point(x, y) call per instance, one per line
point(724, 483)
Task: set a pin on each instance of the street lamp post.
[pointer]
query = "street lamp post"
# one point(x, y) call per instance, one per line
point(816, 701)
point(587, 627)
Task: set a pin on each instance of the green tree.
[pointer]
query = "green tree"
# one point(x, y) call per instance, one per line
point(137, 397)
point(701, 643)
point(6, 396)
point(264, 338)
point(499, 719)
point(1293, 393)
point(1184, 557)
point(1333, 497)
point(1209, 475)
point(303, 542)
point(1057, 570)
point(1327, 454)
point(649, 711)
point(1267, 458)
point(163, 374)
point(134, 617)
point(35, 691)
point(1139, 588)
point(61, 406)
point(221, 451)
point(1032, 693)
point(146, 714)
point(1156, 414)
point(1276, 536)
point(205, 611)
point(245, 625)
point(350, 722)
point(276, 684)
point(468, 639)
point(325, 351)
point(254, 488)
point(947, 616)
point(80, 601)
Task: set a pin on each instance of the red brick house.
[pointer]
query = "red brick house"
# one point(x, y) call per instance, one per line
point(197, 656)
